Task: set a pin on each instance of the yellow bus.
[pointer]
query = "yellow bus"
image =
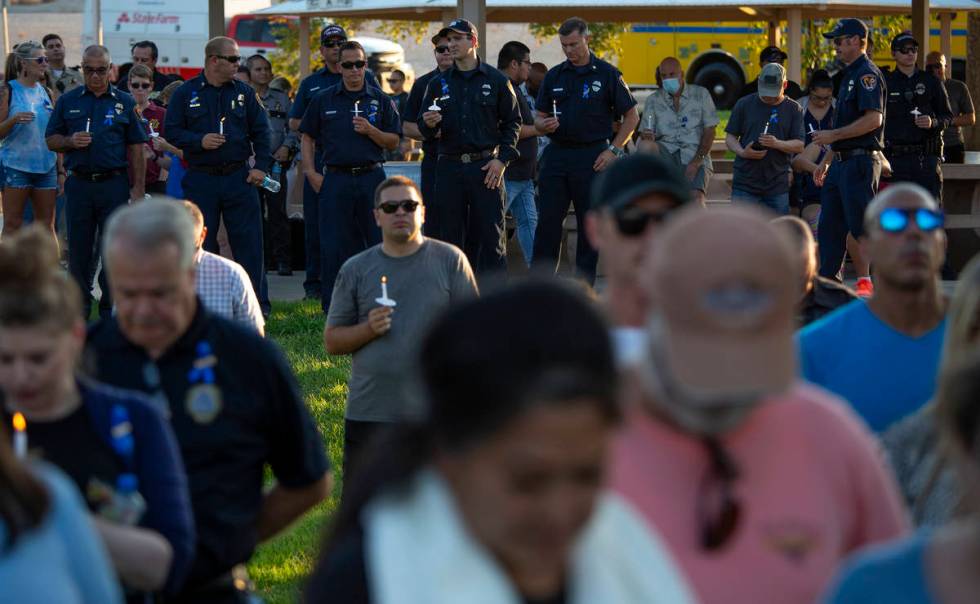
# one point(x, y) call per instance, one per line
point(715, 55)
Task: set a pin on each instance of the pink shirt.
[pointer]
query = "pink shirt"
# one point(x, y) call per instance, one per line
point(812, 483)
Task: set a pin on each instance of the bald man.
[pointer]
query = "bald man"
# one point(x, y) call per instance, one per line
point(679, 121)
point(960, 102)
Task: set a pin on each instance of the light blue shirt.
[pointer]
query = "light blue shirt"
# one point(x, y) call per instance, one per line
point(62, 560)
point(893, 573)
point(24, 148)
point(885, 375)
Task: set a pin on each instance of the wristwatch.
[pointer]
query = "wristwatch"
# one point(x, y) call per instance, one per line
point(616, 150)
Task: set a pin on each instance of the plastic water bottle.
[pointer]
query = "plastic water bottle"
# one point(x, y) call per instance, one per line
point(270, 184)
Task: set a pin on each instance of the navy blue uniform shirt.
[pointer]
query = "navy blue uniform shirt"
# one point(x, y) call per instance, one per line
point(316, 83)
point(415, 107)
point(330, 121)
point(921, 91)
point(112, 120)
point(258, 418)
point(589, 99)
point(479, 112)
point(196, 109)
point(862, 88)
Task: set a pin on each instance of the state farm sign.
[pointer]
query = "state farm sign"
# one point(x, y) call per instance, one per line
point(148, 19)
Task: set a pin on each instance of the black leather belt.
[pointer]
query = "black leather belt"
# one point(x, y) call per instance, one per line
point(579, 145)
point(846, 155)
point(220, 169)
point(895, 150)
point(467, 158)
point(97, 176)
point(353, 170)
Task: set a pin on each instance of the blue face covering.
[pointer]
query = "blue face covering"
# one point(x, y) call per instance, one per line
point(672, 85)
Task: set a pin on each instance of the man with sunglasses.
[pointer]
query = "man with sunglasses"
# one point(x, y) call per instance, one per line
point(478, 123)
point(422, 276)
point(882, 355)
point(630, 202)
point(918, 113)
point(962, 109)
point(430, 145)
point(760, 484)
point(849, 175)
point(331, 38)
point(219, 124)
point(96, 127)
point(399, 96)
point(354, 124)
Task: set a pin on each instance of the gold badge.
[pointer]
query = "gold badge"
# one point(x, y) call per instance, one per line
point(203, 403)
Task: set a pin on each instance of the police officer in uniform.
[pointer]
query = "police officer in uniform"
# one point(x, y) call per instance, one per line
point(95, 125)
point(430, 146)
point(354, 124)
point(331, 38)
point(918, 112)
point(849, 175)
point(229, 394)
point(219, 124)
point(473, 109)
point(577, 104)
point(284, 144)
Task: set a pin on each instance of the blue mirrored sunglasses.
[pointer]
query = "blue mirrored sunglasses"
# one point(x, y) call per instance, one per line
point(896, 220)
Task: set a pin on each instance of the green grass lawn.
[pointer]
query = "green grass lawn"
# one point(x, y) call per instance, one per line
point(280, 566)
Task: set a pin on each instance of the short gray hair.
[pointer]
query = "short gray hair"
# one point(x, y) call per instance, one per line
point(887, 197)
point(151, 224)
point(97, 50)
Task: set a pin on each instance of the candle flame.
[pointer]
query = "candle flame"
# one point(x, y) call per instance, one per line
point(222, 119)
point(20, 424)
point(384, 279)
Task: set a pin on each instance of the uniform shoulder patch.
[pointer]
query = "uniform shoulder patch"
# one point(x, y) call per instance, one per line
point(870, 81)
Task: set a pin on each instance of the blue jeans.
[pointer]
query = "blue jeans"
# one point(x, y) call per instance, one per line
point(778, 203)
point(520, 201)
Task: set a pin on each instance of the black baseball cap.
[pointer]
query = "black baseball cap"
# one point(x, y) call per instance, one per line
point(847, 27)
point(332, 31)
point(637, 175)
point(772, 54)
point(462, 26)
point(904, 39)
point(443, 33)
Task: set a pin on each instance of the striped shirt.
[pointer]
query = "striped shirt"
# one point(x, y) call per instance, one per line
point(225, 290)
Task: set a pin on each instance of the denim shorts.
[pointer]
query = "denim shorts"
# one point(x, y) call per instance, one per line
point(17, 179)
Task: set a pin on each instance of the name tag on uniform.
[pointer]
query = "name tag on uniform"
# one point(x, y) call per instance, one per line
point(331, 112)
point(74, 111)
point(558, 90)
point(314, 88)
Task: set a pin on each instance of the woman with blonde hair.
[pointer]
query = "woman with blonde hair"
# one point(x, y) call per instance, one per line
point(921, 465)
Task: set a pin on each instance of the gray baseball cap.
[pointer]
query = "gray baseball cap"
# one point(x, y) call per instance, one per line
point(771, 79)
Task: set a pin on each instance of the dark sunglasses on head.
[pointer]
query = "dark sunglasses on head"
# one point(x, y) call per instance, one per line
point(442, 49)
point(632, 221)
point(908, 50)
point(229, 58)
point(897, 220)
point(353, 64)
point(140, 86)
point(332, 43)
point(390, 207)
point(719, 511)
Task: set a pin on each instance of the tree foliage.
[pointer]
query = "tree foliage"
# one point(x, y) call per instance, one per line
point(285, 59)
point(605, 39)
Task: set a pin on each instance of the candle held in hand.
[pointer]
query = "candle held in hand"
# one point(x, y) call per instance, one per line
point(88, 125)
point(20, 436)
point(384, 300)
point(221, 126)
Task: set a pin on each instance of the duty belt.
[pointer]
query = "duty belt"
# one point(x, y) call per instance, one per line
point(894, 150)
point(97, 176)
point(845, 155)
point(352, 170)
point(467, 158)
point(220, 169)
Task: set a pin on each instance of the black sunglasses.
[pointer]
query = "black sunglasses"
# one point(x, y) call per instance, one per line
point(442, 49)
point(140, 86)
point(332, 43)
point(632, 221)
point(390, 207)
point(99, 71)
point(719, 511)
point(353, 64)
point(229, 58)
point(908, 50)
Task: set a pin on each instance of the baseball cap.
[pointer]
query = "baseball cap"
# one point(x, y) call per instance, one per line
point(772, 54)
point(848, 27)
point(771, 79)
point(443, 33)
point(725, 285)
point(904, 39)
point(332, 31)
point(635, 176)
point(462, 26)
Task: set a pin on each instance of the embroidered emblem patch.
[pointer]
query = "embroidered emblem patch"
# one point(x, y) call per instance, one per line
point(870, 82)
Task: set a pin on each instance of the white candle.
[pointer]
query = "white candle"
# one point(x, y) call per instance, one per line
point(221, 126)
point(357, 108)
point(384, 287)
point(811, 129)
point(765, 130)
point(554, 108)
point(153, 133)
point(88, 125)
point(20, 436)
point(435, 105)
point(916, 113)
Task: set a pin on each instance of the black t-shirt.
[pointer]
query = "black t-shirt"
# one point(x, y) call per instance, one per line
point(73, 444)
point(524, 168)
point(413, 109)
point(342, 576)
point(258, 418)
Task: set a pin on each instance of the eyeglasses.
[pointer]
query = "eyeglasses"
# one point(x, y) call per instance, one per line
point(40, 60)
point(395, 80)
point(140, 85)
point(442, 49)
point(99, 71)
point(332, 43)
point(897, 220)
point(908, 50)
point(632, 221)
point(814, 97)
point(353, 64)
point(840, 40)
point(719, 511)
point(230, 58)
point(390, 207)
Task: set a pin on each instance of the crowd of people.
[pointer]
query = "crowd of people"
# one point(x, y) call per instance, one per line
point(724, 421)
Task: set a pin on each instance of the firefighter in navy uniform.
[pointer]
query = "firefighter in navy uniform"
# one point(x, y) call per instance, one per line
point(918, 112)
point(478, 122)
point(849, 175)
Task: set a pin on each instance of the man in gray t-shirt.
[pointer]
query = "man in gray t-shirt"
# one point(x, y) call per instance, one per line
point(383, 325)
point(765, 130)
